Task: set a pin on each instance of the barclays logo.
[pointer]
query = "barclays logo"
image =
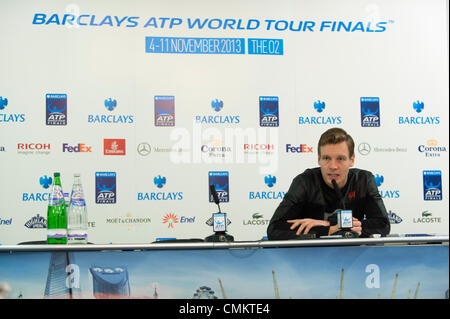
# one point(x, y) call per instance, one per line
point(110, 105)
point(159, 182)
point(270, 181)
point(217, 106)
point(319, 107)
point(6, 118)
point(418, 106)
point(390, 194)
point(3, 103)
point(45, 181)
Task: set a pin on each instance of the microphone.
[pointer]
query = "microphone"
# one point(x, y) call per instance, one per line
point(218, 221)
point(212, 189)
point(344, 216)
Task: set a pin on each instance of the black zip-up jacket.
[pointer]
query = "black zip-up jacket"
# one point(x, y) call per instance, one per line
point(309, 197)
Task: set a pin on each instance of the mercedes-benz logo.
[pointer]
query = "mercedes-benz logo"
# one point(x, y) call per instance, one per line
point(364, 148)
point(144, 149)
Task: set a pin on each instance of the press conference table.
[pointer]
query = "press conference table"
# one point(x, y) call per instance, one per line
point(389, 267)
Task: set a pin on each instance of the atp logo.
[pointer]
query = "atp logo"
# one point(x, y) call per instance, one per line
point(268, 111)
point(159, 181)
point(370, 112)
point(110, 104)
point(56, 109)
point(217, 105)
point(164, 110)
point(432, 185)
point(319, 106)
point(3, 102)
point(221, 181)
point(45, 181)
point(270, 180)
point(418, 106)
point(105, 188)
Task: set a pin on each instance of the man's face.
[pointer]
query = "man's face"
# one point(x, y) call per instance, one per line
point(334, 162)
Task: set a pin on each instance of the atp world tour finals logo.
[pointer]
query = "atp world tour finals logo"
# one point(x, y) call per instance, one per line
point(432, 185)
point(105, 188)
point(370, 112)
point(268, 111)
point(164, 110)
point(56, 109)
point(221, 182)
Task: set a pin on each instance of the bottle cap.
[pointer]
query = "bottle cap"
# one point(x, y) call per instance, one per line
point(56, 174)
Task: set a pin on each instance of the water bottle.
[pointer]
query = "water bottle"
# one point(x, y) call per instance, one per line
point(56, 214)
point(77, 218)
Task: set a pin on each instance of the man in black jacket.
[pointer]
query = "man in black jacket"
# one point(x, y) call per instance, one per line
point(311, 198)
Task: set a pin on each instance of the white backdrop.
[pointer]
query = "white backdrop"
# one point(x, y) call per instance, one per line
point(92, 51)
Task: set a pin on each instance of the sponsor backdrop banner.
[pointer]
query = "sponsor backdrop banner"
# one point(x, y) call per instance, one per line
point(331, 272)
point(151, 101)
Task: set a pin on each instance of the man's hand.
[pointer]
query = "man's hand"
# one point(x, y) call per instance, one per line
point(357, 226)
point(306, 224)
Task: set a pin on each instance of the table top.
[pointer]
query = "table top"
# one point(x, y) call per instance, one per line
point(196, 244)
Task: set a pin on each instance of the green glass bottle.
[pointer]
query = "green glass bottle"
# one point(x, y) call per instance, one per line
point(56, 214)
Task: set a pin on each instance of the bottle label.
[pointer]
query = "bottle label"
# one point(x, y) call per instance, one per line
point(80, 202)
point(77, 235)
point(57, 233)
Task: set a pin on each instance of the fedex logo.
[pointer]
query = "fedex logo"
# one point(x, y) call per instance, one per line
point(80, 148)
point(302, 148)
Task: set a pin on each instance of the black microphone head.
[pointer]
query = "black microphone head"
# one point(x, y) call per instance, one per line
point(335, 185)
point(212, 188)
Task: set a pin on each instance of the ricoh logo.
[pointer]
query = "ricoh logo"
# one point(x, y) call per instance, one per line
point(33, 148)
point(78, 148)
point(319, 107)
point(418, 106)
point(110, 105)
